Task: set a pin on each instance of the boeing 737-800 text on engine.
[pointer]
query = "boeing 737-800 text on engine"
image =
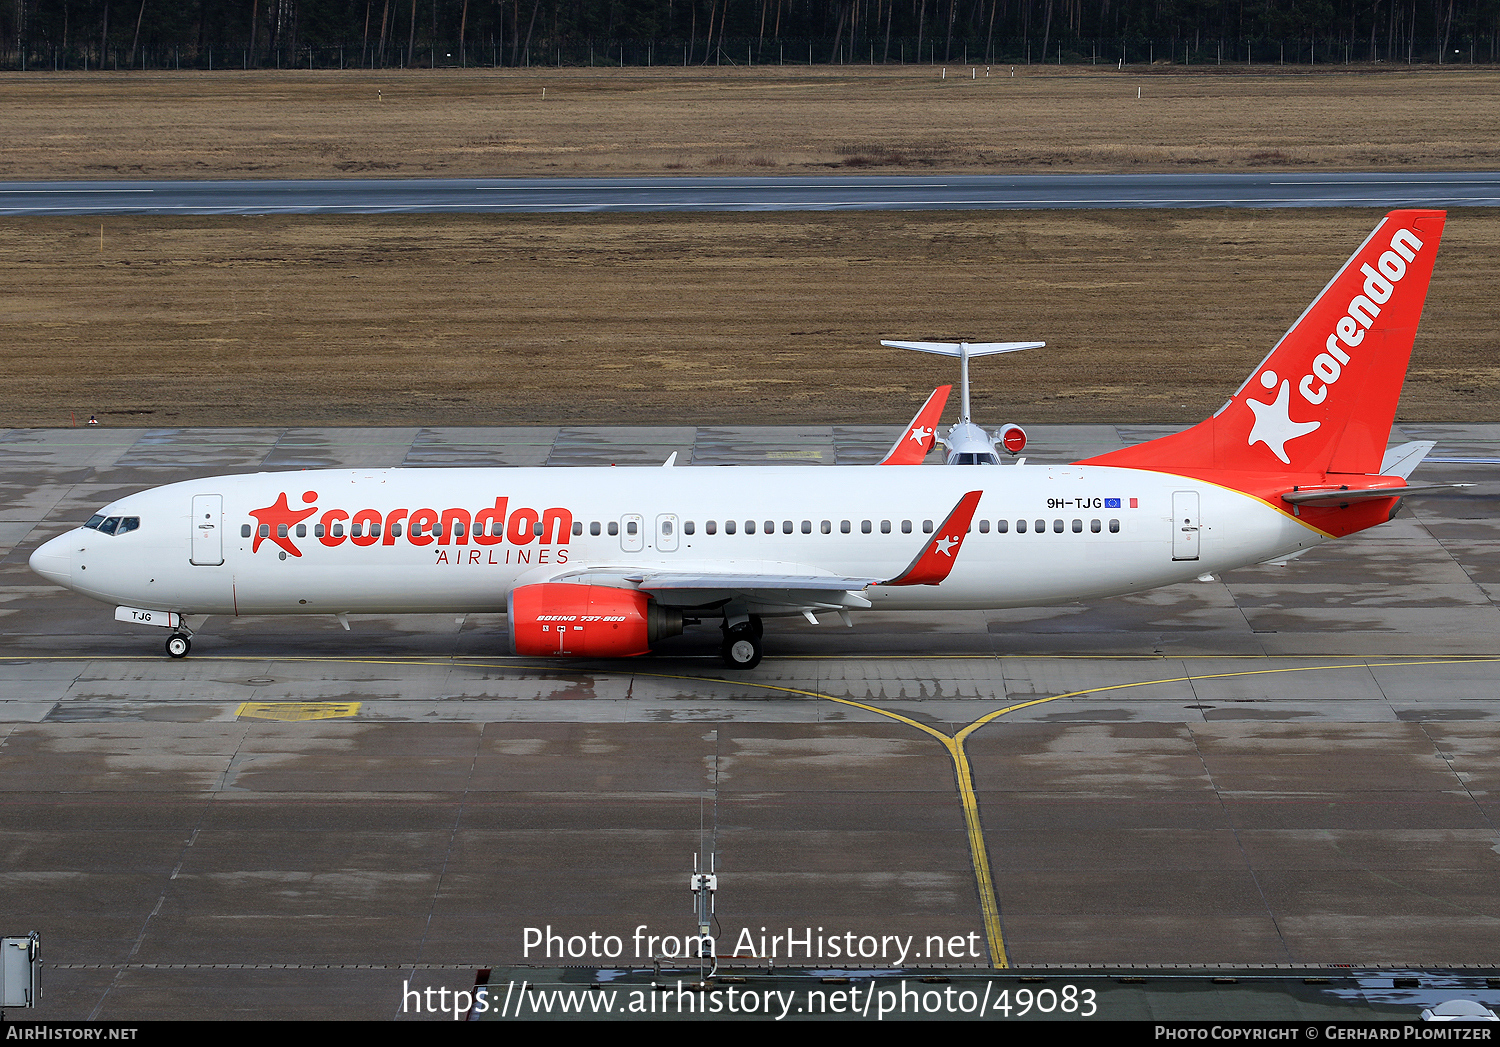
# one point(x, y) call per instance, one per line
point(603, 562)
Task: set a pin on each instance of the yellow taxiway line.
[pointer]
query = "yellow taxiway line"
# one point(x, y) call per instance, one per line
point(989, 904)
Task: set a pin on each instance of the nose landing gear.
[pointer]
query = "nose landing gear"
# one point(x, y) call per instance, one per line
point(178, 645)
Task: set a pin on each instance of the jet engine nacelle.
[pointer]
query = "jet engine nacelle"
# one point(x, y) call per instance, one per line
point(587, 621)
point(1012, 438)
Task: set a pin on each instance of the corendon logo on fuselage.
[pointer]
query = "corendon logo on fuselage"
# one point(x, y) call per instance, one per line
point(493, 525)
point(1273, 424)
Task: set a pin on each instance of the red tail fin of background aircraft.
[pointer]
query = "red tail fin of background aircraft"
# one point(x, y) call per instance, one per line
point(1324, 399)
point(919, 436)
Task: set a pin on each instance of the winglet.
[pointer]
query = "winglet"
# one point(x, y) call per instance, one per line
point(918, 437)
point(940, 553)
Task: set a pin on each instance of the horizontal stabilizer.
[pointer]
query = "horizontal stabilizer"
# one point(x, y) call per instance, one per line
point(1344, 495)
point(960, 348)
point(1400, 461)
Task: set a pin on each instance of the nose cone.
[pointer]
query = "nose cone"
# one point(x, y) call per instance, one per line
point(54, 561)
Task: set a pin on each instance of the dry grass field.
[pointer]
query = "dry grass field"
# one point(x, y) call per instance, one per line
point(767, 120)
point(1149, 315)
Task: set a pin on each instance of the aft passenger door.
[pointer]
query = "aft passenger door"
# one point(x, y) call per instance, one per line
point(1186, 526)
point(208, 530)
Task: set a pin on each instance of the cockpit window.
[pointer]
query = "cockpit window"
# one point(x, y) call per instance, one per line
point(115, 525)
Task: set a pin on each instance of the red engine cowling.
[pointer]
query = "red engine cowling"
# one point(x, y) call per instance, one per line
point(555, 619)
point(1013, 438)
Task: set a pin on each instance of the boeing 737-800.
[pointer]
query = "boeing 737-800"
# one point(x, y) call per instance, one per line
point(603, 562)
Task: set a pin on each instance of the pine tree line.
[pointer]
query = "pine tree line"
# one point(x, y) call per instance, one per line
point(75, 34)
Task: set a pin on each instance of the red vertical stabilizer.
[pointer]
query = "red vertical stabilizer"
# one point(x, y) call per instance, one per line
point(1323, 401)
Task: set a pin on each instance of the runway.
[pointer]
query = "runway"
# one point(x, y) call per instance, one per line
point(1289, 765)
point(829, 193)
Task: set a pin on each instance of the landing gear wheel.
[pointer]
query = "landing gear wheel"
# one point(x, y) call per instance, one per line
point(742, 648)
point(178, 645)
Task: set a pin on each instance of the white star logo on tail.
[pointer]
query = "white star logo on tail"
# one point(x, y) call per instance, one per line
point(920, 434)
point(945, 545)
point(1273, 421)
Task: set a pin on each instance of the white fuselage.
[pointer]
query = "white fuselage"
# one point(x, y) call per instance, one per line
point(1121, 530)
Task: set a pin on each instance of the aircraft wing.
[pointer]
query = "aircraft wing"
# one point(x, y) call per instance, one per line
point(918, 437)
point(789, 593)
point(788, 590)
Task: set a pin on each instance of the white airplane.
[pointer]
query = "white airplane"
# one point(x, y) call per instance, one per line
point(966, 443)
point(604, 562)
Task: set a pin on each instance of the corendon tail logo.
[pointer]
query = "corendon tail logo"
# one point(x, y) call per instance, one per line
point(492, 525)
point(1274, 425)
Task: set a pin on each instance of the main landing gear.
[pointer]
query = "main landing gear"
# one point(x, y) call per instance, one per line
point(178, 645)
point(742, 643)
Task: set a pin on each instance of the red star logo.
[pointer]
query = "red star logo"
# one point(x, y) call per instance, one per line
point(275, 515)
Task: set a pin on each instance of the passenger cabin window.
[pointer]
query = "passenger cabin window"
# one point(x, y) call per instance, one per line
point(826, 526)
point(1057, 526)
point(1077, 526)
point(1020, 527)
point(302, 530)
point(1114, 527)
point(906, 527)
point(577, 528)
point(885, 527)
point(614, 528)
point(711, 527)
point(687, 527)
point(594, 527)
point(926, 526)
point(318, 531)
point(864, 527)
point(630, 527)
point(1094, 526)
point(246, 529)
point(749, 526)
point(1001, 526)
point(984, 527)
point(729, 527)
point(265, 530)
point(844, 527)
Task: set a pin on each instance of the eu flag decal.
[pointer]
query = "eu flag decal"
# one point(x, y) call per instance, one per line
point(1111, 503)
